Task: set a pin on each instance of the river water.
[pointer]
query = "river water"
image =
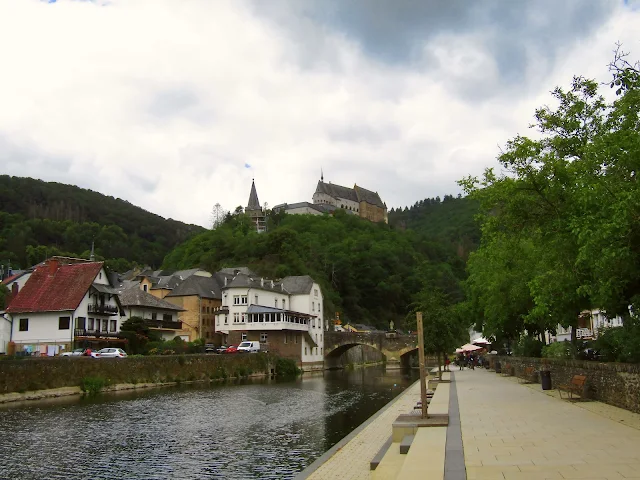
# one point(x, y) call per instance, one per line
point(251, 429)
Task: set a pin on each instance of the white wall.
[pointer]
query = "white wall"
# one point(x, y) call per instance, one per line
point(43, 328)
point(5, 332)
point(303, 211)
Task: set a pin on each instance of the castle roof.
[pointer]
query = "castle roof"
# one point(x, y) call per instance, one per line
point(355, 194)
point(368, 196)
point(254, 203)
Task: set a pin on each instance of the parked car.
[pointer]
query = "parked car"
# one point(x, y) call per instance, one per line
point(249, 347)
point(209, 348)
point(232, 349)
point(111, 353)
point(78, 352)
point(221, 349)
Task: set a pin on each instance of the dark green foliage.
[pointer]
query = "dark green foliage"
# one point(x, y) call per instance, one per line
point(368, 272)
point(528, 347)
point(4, 291)
point(621, 344)
point(138, 335)
point(286, 367)
point(93, 385)
point(39, 219)
point(558, 350)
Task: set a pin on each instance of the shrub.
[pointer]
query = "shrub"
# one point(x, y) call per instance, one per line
point(286, 367)
point(528, 347)
point(558, 350)
point(92, 385)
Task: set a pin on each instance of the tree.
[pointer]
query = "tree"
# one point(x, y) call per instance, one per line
point(218, 215)
point(137, 333)
point(4, 293)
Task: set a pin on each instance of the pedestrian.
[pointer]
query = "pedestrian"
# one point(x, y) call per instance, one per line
point(447, 361)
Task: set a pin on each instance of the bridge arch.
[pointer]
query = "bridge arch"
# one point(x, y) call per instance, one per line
point(391, 346)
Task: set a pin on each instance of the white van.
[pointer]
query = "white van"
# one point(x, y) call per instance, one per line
point(250, 347)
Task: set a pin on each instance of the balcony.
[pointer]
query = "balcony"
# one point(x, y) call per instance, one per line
point(164, 324)
point(81, 332)
point(103, 309)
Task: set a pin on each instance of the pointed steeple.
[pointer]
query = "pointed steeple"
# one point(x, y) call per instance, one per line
point(254, 203)
point(321, 175)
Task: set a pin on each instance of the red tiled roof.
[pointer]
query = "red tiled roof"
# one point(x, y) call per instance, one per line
point(11, 278)
point(53, 287)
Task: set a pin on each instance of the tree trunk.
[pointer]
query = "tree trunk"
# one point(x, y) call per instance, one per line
point(439, 367)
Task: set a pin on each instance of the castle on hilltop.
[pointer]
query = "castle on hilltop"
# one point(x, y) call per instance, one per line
point(329, 197)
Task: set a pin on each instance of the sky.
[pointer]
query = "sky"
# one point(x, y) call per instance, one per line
point(176, 105)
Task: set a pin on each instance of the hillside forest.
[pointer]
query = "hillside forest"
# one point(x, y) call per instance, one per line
point(40, 219)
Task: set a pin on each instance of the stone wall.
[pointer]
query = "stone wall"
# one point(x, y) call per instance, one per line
point(617, 384)
point(55, 372)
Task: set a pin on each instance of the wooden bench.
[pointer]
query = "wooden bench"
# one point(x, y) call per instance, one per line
point(506, 370)
point(528, 375)
point(576, 387)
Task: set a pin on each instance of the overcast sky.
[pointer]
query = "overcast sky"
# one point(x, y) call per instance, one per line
point(175, 105)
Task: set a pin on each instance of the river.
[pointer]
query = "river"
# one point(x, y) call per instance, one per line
point(262, 428)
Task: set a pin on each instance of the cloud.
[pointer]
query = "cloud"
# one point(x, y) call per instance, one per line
point(167, 103)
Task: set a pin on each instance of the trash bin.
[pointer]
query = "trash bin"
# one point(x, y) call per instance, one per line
point(498, 367)
point(545, 379)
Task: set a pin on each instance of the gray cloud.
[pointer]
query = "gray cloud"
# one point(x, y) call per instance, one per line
point(396, 33)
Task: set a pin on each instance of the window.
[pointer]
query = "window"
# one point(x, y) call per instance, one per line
point(263, 337)
point(63, 323)
point(236, 317)
point(154, 316)
point(315, 292)
point(112, 325)
point(24, 325)
point(236, 299)
point(245, 300)
point(284, 305)
point(145, 287)
point(226, 319)
point(313, 307)
point(244, 337)
point(167, 317)
point(313, 323)
point(244, 317)
point(208, 311)
point(256, 302)
point(81, 323)
point(90, 324)
point(276, 303)
point(224, 300)
point(105, 325)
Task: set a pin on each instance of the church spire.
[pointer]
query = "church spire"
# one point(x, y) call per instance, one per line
point(254, 203)
point(321, 175)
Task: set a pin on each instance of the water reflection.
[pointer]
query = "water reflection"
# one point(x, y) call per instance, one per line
point(254, 429)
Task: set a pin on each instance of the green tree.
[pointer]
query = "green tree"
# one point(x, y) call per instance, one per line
point(137, 333)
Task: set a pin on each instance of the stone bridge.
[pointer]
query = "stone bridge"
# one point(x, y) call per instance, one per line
point(391, 345)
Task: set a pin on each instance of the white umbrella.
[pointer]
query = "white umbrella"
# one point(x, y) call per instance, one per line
point(481, 340)
point(470, 348)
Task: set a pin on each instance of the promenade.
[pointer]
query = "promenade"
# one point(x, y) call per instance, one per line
point(510, 431)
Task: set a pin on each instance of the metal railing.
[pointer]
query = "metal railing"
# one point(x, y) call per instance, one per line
point(81, 332)
point(103, 309)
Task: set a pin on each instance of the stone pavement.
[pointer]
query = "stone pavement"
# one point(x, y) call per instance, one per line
point(351, 461)
point(514, 431)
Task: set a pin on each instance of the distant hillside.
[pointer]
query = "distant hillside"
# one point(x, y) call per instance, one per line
point(450, 222)
point(39, 219)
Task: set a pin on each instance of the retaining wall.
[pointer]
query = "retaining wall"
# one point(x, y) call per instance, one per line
point(55, 372)
point(617, 384)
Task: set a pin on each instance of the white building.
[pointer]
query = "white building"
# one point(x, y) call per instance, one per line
point(284, 316)
point(159, 315)
point(64, 304)
point(588, 326)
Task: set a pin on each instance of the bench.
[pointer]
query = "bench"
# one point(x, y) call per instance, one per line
point(506, 370)
point(528, 375)
point(576, 387)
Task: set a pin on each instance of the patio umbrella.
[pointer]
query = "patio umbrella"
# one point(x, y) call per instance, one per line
point(470, 348)
point(481, 341)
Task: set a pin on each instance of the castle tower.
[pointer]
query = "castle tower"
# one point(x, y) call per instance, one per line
point(254, 210)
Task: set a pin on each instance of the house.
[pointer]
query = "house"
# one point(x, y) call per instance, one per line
point(160, 283)
point(65, 303)
point(198, 297)
point(589, 324)
point(364, 203)
point(161, 316)
point(255, 211)
point(284, 316)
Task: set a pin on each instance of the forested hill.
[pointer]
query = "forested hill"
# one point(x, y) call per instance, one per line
point(450, 220)
point(39, 219)
point(370, 273)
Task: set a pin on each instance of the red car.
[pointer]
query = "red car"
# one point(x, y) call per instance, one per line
point(232, 349)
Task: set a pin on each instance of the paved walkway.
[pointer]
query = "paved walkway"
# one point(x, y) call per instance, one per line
point(352, 460)
point(513, 431)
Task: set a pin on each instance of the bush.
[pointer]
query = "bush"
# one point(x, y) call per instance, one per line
point(620, 344)
point(93, 385)
point(558, 350)
point(528, 347)
point(286, 367)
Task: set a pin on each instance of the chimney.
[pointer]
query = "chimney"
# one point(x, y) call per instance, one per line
point(11, 295)
point(53, 266)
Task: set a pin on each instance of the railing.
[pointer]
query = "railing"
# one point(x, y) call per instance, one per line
point(81, 332)
point(103, 309)
point(164, 324)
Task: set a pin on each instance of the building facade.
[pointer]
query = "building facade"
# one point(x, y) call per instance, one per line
point(360, 201)
point(284, 316)
point(159, 315)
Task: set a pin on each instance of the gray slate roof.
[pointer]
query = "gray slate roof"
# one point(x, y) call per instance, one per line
point(204, 287)
point(336, 191)
point(369, 197)
point(134, 297)
point(298, 284)
point(254, 203)
point(242, 280)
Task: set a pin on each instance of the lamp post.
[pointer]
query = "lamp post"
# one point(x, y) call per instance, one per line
point(423, 380)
